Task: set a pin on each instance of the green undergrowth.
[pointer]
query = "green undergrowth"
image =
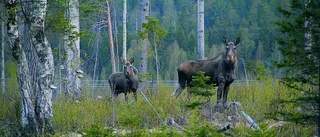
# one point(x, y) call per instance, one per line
point(96, 115)
point(139, 118)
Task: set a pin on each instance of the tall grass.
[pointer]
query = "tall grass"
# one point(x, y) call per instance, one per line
point(93, 113)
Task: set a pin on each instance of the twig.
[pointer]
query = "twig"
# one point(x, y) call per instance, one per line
point(151, 106)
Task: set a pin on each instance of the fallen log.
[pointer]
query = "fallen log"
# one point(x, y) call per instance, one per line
point(250, 121)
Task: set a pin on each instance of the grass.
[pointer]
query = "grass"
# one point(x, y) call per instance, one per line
point(93, 115)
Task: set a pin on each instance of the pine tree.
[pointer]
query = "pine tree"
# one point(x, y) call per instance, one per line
point(300, 30)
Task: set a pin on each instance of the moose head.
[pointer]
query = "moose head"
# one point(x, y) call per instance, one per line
point(127, 66)
point(231, 49)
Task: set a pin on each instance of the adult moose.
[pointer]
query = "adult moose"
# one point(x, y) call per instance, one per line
point(126, 81)
point(221, 70)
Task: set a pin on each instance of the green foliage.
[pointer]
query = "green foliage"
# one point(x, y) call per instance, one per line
point(200, 89)
point(129, 119)
point(84, 113)
point(93, 116)
point(299, 45)
point(152, 27)
point(10, 71)
point(202, 131)
point(144, 77)
point(258, 69)
point(97, 131)
point(10, 113)
point(250, 132)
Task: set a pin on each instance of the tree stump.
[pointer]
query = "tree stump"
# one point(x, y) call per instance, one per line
point(222, 116)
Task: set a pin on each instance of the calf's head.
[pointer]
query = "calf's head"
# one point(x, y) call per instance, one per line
point(231, 49)
point(127, 66)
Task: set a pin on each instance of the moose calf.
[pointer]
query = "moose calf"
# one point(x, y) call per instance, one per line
point(124, 82)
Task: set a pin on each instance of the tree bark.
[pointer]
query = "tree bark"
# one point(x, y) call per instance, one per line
point(144, 51)
point(116, 37)
point(2, 51)
point(113, 63)
point(201, 29)
point(72, 49)
point(35, 12)
point(28, 120)
point(124, 54)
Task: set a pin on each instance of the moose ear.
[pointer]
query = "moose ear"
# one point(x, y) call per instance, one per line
point(237, 41)
point(224, 40)
point(123, 61)
point(131, 60)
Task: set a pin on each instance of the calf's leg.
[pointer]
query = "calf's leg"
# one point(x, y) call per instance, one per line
point(125, 96)
point(135, 95)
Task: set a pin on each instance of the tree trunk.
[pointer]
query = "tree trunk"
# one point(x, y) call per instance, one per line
point(2, 51)
point(28, 120)
point(35, 19)
point(72, 49)
point(201, 29)
point(157, 65)
point(124, 54)
point(145, 46)
point(116, 37)
point(113, 63)
point(96, 58)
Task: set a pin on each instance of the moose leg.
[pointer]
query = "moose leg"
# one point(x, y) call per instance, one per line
point(221, 81)
point(125, 96)
point(135, 95)
point(113, 91)
point(178, 91)
point(189, 94)
point(225, 95)
point(182, 85)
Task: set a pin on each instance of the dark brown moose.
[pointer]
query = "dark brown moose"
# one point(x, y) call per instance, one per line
point(221, 70)
point(124, 82)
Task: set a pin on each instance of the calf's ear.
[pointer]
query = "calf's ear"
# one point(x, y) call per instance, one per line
point(237, 41)
point(123, 61)
point(224, 40)
point(131, 60)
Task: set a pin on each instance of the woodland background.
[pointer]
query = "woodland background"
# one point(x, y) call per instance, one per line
point(252, 21)
point(278, 108)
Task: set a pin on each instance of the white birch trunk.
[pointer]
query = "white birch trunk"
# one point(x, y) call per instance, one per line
point(157, 65)
point(2, 53)
point(144, 51)
point(28, 121)
point(35, 21)
point(201, 29)
point(72, 49)
point(124, 54)
point(113, 63)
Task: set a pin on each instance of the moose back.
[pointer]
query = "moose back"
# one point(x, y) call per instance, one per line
point(221, 70)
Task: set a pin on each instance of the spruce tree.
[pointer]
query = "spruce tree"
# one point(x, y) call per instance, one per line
point(200, 89)
point(300, 30)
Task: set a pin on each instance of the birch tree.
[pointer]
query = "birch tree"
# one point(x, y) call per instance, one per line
point(34, 17)
point(28, 120)
point(200, 29)
point(124, 53)
point(72, 50)
point(2, 49)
